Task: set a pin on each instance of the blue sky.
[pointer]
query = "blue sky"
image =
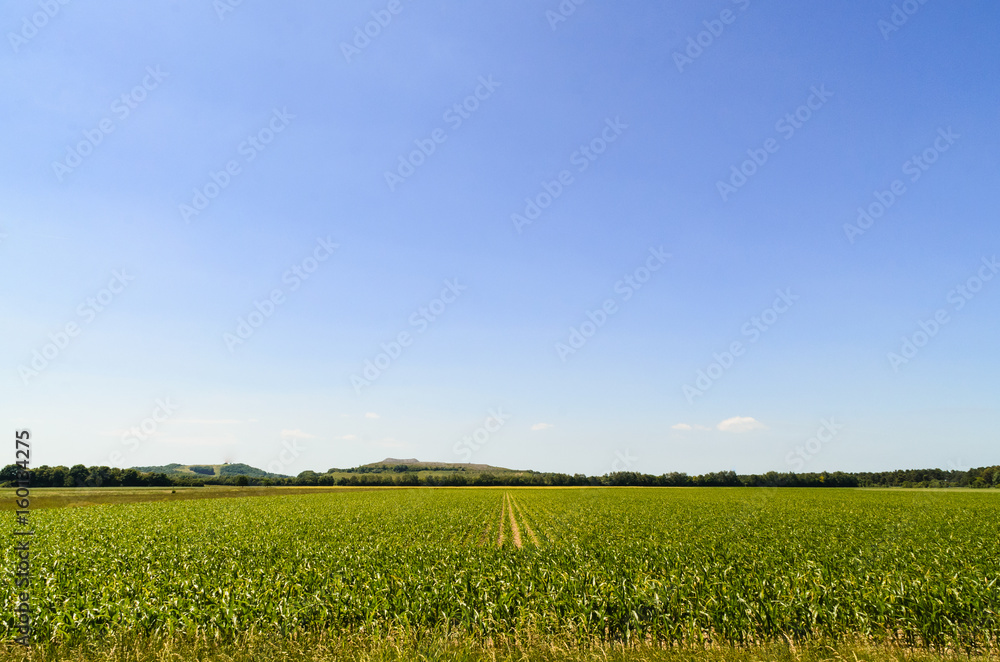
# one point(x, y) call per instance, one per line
point(628, 123)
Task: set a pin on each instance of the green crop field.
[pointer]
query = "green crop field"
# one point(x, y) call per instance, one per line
point(628, 568)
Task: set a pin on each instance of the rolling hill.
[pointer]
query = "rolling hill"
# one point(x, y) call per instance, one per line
point(415, 464)
point(210, 470)
point(388, 465)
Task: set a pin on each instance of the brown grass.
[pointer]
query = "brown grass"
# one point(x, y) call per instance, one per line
point(503, 510)
point(527, 524)
point(515, 531)
point(329, 646)
point(73, 497)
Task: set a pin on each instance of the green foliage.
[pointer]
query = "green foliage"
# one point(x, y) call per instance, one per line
point(307, 478)
point(458, 475)
point(166, 468)
point(202, 469)
point(240, 469)
point(692, 567)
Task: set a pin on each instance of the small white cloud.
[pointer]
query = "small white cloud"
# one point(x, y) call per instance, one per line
point(371, 414)
point(349, 437)
point(681, 426)
point(297, 434)
point(541, 426)
point(740, 424)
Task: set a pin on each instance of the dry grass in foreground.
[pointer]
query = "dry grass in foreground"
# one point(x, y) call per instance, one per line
point(326, 647)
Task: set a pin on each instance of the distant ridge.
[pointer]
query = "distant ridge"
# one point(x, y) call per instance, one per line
point(209, 470)
point(417, 464)
point(388, 464)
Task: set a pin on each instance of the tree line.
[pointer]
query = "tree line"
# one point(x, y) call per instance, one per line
point(102, 476)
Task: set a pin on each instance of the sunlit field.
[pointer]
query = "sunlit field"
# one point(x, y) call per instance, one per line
point(640, 571)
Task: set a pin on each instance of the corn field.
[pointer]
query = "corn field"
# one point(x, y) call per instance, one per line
point(683, 566)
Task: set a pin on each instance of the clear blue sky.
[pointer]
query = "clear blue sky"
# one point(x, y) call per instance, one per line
point(115, 114)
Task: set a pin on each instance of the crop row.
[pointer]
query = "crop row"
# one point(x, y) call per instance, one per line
point(671, 565)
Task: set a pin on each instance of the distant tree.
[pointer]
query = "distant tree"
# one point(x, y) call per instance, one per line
point(409, 478)
point(242, 481)
point(99, 477)
point(132, 478)
point(77, 476)
point(58, 476)
point(159, 480)
point(114, 477)
point(8, 474)
point(455, 480)
point(485, 478)
point(41, 476)
point(307, 478)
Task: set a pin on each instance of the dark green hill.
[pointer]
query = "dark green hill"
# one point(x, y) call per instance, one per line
point(209, 470)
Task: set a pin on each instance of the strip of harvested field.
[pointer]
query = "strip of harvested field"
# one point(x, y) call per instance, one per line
point(503, 510)
point(515, 531)
point(527, 524)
